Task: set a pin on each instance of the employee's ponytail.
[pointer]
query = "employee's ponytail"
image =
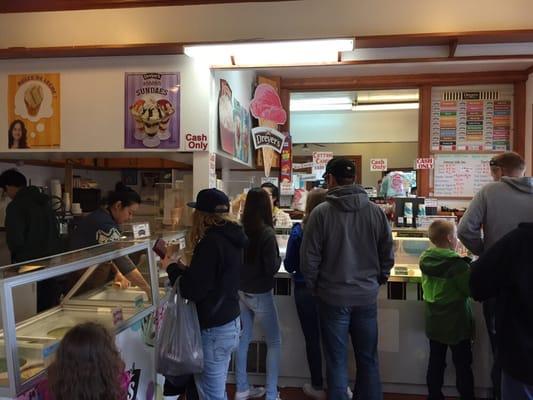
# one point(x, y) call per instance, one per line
point(127, 196)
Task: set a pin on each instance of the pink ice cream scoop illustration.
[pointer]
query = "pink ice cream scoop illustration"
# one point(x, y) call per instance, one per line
point(266, 107)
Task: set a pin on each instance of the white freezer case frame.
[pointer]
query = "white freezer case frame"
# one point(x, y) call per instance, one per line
point(116, 250)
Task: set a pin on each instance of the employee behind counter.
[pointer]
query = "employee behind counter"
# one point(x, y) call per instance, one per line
point(102, 226)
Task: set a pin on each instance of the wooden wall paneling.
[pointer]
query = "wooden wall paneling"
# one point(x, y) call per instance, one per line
point(9, 6)
point(519, 113)
point(401, 81)
point(424, 138)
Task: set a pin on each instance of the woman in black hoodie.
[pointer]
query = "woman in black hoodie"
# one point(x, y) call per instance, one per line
point(261, 263)
point(215, 249)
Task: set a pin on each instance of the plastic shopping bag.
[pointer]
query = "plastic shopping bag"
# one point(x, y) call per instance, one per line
point(179, 341)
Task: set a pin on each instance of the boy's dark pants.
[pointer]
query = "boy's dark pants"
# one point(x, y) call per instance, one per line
point(462, 359)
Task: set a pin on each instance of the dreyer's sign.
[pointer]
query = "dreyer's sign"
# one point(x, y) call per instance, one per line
point(268, 137)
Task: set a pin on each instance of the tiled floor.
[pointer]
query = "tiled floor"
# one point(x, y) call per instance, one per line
point(297, 394)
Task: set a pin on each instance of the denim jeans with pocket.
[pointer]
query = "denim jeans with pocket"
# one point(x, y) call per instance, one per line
point(259, 307)
point(307, 308)
point(218, 343)
point(360, 322)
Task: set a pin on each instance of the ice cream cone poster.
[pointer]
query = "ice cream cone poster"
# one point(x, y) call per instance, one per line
point(34, 111)
point(152, 110)
point(266, 107)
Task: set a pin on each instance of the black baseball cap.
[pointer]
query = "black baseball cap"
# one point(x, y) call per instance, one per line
point(211, 201)
point(340, 168)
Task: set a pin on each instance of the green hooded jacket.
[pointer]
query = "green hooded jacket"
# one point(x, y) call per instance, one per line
point(445, 279)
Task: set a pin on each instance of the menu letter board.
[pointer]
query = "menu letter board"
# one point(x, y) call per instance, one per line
point(461, 175)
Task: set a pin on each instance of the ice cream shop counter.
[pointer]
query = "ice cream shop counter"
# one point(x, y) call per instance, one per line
point(403, 346)
point(27, 342)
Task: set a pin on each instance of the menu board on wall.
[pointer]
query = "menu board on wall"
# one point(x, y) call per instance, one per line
point(471, 122)
point(460, 175)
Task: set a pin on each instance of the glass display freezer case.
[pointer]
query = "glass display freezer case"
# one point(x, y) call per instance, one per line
point(85, 280)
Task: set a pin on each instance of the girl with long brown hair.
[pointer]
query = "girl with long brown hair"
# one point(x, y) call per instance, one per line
point(261, 263)
point(87, 366)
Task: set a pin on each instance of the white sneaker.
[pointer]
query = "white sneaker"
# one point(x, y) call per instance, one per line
point(253, 393)
point(349, 392)
point(310, 391)
point(278, 398)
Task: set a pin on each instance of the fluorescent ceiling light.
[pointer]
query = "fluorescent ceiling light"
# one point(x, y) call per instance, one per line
point(385, 107)
point(387, 98)
point(294, 52)
point(322, 107)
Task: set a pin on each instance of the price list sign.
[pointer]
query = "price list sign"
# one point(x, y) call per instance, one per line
point(461, 175)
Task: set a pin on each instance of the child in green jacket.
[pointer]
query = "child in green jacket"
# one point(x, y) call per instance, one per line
point(449, 322)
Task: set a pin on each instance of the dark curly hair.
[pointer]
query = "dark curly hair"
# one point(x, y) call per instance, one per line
point(87, 366)
point(23, 144)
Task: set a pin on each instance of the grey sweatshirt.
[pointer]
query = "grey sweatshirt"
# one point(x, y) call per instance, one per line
point(347, 248)
point(496, 210)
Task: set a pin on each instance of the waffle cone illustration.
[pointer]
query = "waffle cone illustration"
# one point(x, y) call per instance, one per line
point(269, 155)
point(33, 98)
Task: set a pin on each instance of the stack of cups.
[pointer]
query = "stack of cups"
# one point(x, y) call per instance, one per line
point(55, 188)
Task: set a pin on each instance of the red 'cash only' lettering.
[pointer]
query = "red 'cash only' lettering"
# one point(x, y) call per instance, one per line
point(196, 142)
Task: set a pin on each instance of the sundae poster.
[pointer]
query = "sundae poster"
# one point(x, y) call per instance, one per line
point(34, 111)
point(152, 110)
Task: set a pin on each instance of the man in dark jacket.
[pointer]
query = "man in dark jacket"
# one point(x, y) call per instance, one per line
point(505, 272)
point(496, 210)
point(346, 253)
point(32, 230)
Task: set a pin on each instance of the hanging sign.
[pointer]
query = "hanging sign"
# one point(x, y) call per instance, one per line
point(286, 189)
point(378, 164)
point(424, 163)
point(285, 172)
point(320, 160)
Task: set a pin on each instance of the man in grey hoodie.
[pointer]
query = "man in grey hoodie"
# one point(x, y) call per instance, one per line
point(346, 253)
point(496, 210)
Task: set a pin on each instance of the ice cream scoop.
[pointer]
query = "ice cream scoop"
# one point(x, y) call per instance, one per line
point(266, 107)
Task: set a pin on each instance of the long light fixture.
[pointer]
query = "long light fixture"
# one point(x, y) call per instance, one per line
point(291, 52)
point(341, 104)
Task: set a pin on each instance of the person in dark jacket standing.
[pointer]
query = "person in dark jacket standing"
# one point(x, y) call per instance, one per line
point(261, 263)
point(494, 211)
point(306, 302)
point(346, 254)
point(505, 272)
point(32, 230)
point(211, 279)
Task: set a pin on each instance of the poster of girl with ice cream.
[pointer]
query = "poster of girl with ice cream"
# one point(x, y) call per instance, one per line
point(34, 111)
point(152, 110)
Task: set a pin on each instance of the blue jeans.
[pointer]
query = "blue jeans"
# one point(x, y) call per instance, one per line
point(360, 322)
point(307, 308)
point(515, 390)
point(218, 344)
point(262, 308)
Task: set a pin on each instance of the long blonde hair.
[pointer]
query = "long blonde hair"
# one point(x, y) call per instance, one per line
point(201, 222)
point(314, 198)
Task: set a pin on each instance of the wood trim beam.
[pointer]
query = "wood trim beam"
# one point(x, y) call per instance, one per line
point(424, 137)
point(444, 38)
point(529, 70)
point(401, 81)
point(519, 111)
point(91, 51)
point(12, 6)
point(453, 47)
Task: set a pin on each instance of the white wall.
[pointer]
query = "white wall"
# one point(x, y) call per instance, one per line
point(92, 97)
point(529, 125)
point(354, 126)
point(291, 19)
